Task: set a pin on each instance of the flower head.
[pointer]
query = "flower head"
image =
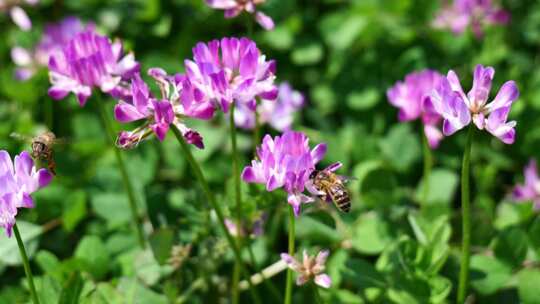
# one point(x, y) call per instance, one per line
point(278, 114)
point(56, 35)
point(530, 191)
point(90, 60)
point(310, 268)
point(230, 70)
point(458, 109)
point(19, 179)
point(159, 113)
point(285, 161)
point(408, 96)
point(476, 13)
point(234, 7)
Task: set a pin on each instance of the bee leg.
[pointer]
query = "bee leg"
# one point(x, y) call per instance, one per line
point(323, 197)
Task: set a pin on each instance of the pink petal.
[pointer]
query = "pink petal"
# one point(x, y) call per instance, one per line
point(323, 280)
point(20, 18)
point(265, 21)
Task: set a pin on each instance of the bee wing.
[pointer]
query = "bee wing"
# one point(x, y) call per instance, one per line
point(20, 137)
point(345, 179)
point(62, 141)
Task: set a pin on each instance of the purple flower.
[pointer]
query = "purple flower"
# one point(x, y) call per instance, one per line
point(17, 14)
point(159, 113)
point(285, 161)
point(19, 179)
point(278, 114)
point(230, 70)
point(458, 109)
point(476, 13)
point(254, 228)
point(408, 96)
point(234, 7)
point(90, 60)
point(310, 268)
point(56, 35)
point(530, 191)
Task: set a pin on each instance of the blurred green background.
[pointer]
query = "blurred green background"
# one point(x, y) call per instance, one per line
point(343, 55)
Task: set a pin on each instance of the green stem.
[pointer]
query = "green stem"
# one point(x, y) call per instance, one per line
point(428, 164)
point(256, 131)
point(466, 219)
point(26, 265)
point(211, 199)
point(235, 293)
point(317, 295)
point(238, 196)
point(125, 176)
point(288, 288)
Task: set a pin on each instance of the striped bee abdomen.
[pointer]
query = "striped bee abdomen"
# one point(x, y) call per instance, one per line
point(341, 198)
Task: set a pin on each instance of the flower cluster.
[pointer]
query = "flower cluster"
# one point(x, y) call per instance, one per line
point(285, 161)
point(56, 35)
point(90, 60)
point(408, 96)
point(530, 191)
point(310, 268)
point(234, 7)
point(19, 179)
point(17, 14)
point(475, 13)
point(230, 70)
point(175, 103)
point(278, 114)
point(458, 109)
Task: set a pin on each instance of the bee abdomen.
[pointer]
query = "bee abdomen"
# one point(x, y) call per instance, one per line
point(343, 201)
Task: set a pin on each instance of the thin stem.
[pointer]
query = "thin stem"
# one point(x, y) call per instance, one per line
point(26, 265)
point(317, 295)
point(256, 130)
point(466, 219)
point(235, 292)
point(211, 199)
point(125, 176)
point(288, 288)
point(428, 164)
point(238, 197)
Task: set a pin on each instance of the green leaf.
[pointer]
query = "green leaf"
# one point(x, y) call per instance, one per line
point(47, 261)
point(75, 210)
point(94, 256)
point(309, 228)
point(401, 147)
point(371, 234)
point(363, 275)
point(442, 187)
point(161, 242)
point(307, 54)
point(112, 207)
point(363, 100)
point(135, 293)
point(510, 214)
point(534, 236)
point(9, 250)
point(147, 268)
point(529, 286)
point(341, 29)
point(71, 291)
point(511, 246)
point(488, 274)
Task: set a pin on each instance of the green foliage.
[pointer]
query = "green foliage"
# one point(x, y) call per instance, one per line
point(393, 247)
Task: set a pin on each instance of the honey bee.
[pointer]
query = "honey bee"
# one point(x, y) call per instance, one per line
point(42, 147)
point(332, 187)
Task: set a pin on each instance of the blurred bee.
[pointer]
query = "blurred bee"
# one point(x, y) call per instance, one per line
point(331, 187)
point(42, 147)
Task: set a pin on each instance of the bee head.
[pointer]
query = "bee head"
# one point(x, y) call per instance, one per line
point(313, 174)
